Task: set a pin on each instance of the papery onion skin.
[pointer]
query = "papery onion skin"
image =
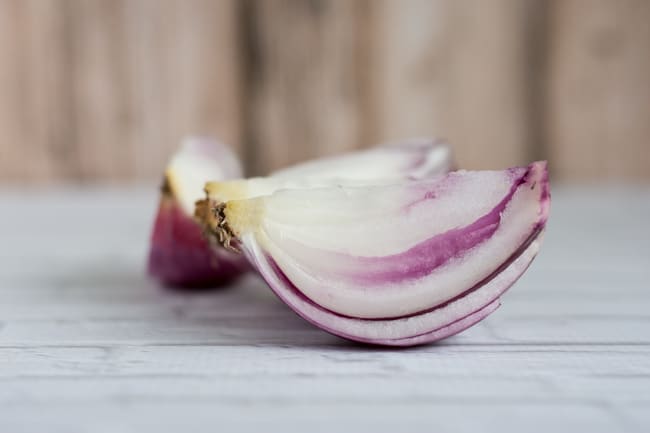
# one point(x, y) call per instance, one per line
point(179, 255)
point(445, 317)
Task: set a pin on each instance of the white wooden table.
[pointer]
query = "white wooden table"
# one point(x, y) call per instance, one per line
point(87, 343)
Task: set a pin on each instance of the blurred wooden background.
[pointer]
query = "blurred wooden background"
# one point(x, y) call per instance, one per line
point(103, 90)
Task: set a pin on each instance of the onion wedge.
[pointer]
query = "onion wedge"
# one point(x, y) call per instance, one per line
point(180, 255)
point(399, 262)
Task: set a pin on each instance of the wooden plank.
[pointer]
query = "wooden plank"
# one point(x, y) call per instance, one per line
point(304, 86)
point(127, 414)
point(131, 304)
point(86, 338)
point(224, 386)
point(105, 116)
point(482, 362)
point(598, 107)
point(38, 388)
point(292, 330)
point(457, 70)
point(185, 63)
point(105, 90)
point(148, 73)
point(35, 141)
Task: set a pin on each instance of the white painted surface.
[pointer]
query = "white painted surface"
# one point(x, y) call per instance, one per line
point(88, 344)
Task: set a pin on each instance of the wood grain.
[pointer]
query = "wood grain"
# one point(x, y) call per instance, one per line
point(305, 84)
point(89, 343)
point(102, 91)
point(598, 106)
point(456, 70)
point(105, 90)
point(35, 109)
point(148, 73)
point(188, 73)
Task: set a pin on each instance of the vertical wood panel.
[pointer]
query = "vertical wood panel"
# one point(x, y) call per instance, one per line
point(105, 115)
point(457, 70)
point(489, 110)
point(34, 91)
point(304, 90)
point(599, 89)
point(148, 73)
point(187, 77)
point(104, 90)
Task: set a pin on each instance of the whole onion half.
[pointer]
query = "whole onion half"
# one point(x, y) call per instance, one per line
point(180, 255)
point(386, 261)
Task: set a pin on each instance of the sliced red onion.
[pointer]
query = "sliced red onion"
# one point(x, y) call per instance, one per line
point(396, 264)
point(180, 255)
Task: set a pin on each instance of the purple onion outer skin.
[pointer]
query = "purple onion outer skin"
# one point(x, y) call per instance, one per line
point(440, 321)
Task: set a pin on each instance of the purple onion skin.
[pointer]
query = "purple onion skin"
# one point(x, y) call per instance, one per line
point(441, 321)
point(181, 257)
